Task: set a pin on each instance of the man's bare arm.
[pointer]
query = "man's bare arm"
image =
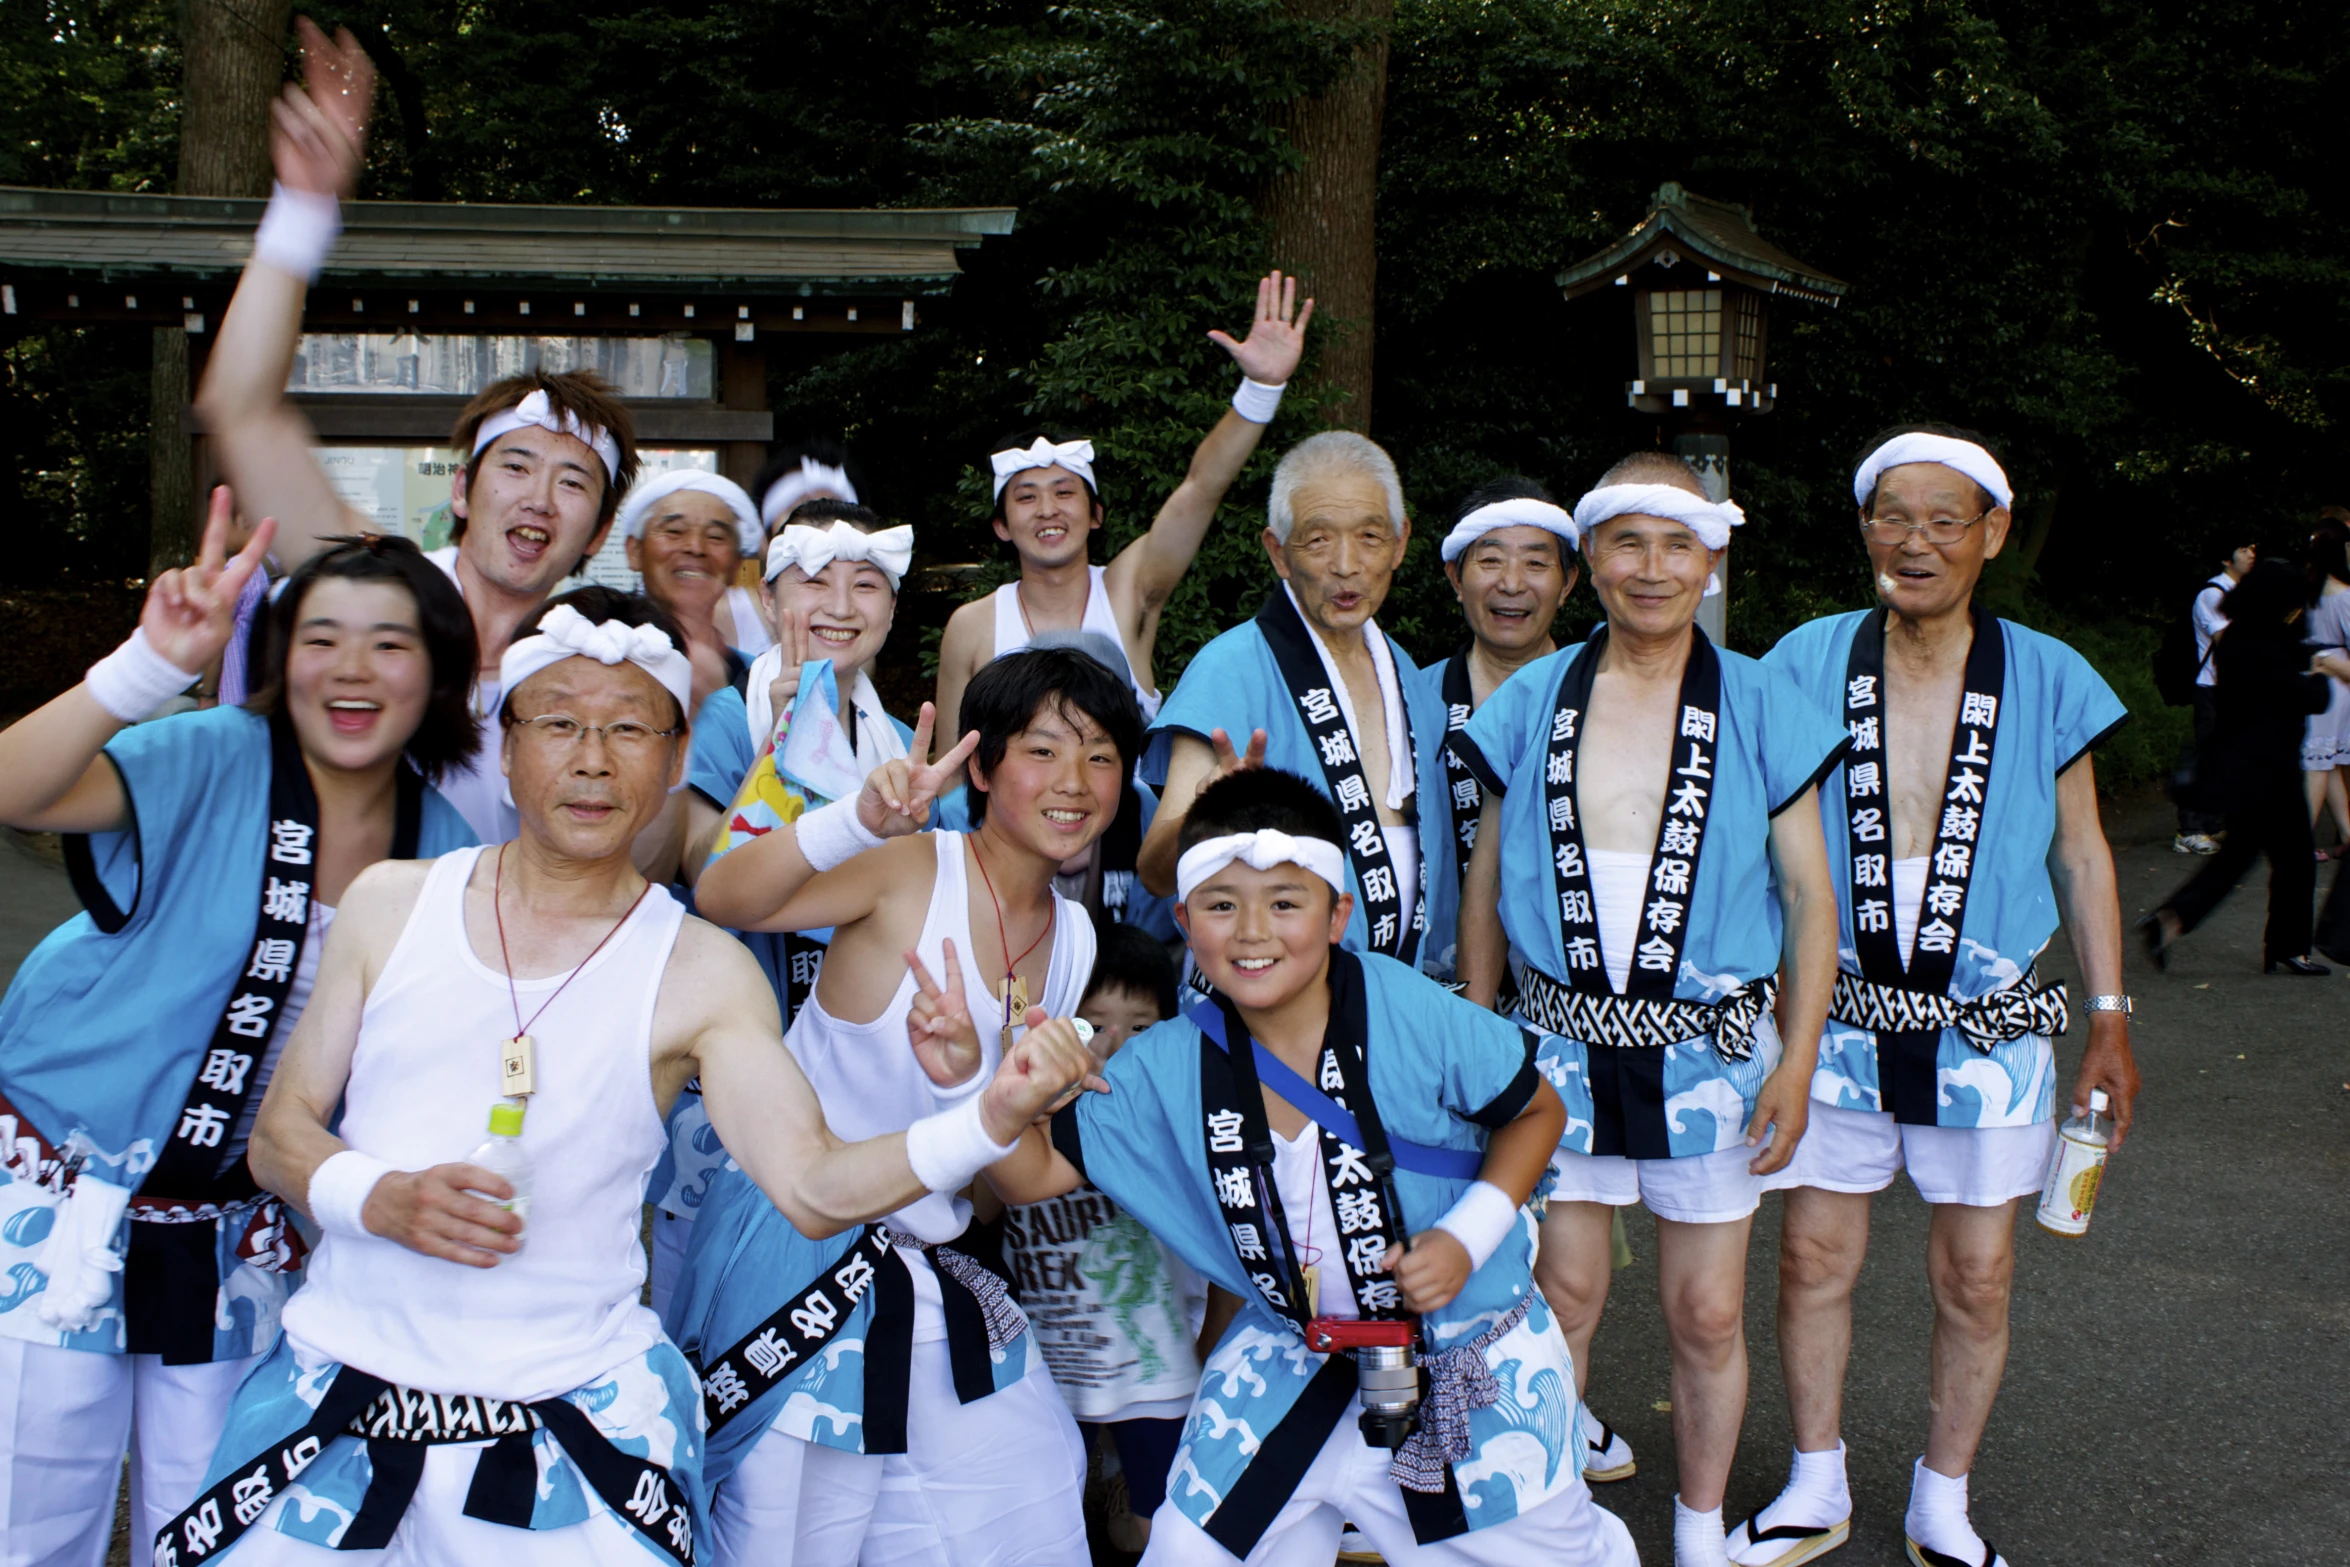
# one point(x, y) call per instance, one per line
point(1192, 764)
point(2080, 862)
point(1807, 978)
point(1483, 953)
point(967, 643)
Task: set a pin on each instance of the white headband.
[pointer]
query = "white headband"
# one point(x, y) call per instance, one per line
point(634, 511)
point(1076, 456)
point(536, 410)
point(1919, 446)
point(566, 633)
point(813, 549)
point(797, 486)
point(1517, 512)
point(1263, 850)
point(1711, 521)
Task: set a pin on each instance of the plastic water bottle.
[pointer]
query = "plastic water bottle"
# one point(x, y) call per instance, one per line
point(503, 1154)
point(2082, 1144)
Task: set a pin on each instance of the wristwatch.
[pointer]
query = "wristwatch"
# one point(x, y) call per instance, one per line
point(2119, 1004)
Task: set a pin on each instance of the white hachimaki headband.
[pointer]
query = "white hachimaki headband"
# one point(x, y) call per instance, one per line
point(810, 478)
point(1921, 446)
point(813, 549)
point(1517, 512)
point(566, 633)
point(749, 532)
point(536, 410)
point(1076, 456)
point(1711, 521)
point(1261, 850)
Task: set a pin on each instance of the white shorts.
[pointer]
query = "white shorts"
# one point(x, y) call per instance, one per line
point(1706, 1188)
point(1348, 1483)
point(1975, 1166)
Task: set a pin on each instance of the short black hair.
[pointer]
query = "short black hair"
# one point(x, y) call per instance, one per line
point(1007, 693)
point(1506, 487)
point(1129, 958)
point(1257, 798)
point(1955, 432)
point(819, 449)
point(598, 605)
point(2224, 545)
point(2329, 552)
point(1023, 439)
point(823, 511)
point(2262, 604)
point(447, 736)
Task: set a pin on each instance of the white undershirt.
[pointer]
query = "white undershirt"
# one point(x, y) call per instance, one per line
point(1618, 880)
point(1909, 896)
point(1313, 1226)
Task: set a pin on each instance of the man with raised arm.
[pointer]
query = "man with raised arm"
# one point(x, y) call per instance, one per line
point(467, 1376)
point(548, 455)
point(1047, 507)
point(1644, 792)
point(1312, 686)
point(1962, 822)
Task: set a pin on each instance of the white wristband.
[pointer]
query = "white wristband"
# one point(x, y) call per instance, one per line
point(1480, 1221)
point(831, 835)
point(949, 1149)
point(339, 1188)
point(1256, 402)
point(134, 679)
point(298, 230)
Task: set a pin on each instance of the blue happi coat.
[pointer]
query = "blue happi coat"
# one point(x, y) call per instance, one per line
point(101, 1035)
point(1234, 684)
point(1441, 1071)
point(1774, 742)
point(2054, 709)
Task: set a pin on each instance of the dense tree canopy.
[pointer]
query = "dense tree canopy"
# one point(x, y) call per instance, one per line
point(2100, 232)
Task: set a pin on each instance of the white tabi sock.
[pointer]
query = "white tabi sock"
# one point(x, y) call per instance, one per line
point(1817, 1498)
point(1697, 1537)
point(1937, 1516)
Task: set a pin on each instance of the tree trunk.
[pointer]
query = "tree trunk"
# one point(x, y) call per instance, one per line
point(233, 52)
point(1324, 215)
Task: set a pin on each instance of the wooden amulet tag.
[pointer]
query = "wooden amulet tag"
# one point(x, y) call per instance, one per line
point(518, 1067)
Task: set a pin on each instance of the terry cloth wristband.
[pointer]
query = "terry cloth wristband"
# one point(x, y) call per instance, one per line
point(339, 1188)
point(297, 231)
point(949, 1149)
point(1480, 1221)
point(832, 835)
point(1256, 402)
point(134, 679)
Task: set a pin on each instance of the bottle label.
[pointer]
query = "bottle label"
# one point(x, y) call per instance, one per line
point(2071, 1193)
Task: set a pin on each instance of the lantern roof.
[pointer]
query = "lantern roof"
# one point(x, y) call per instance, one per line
point(1719, 234)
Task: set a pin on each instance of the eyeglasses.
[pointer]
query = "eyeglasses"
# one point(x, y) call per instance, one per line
point(1934, 530)
point(561, 732)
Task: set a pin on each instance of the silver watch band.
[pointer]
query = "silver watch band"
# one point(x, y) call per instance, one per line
point(2119, 1004)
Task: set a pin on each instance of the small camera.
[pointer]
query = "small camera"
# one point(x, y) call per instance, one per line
point(1387, 1373)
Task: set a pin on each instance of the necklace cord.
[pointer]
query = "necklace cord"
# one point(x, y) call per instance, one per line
point(1003, 941)
point(498, 913)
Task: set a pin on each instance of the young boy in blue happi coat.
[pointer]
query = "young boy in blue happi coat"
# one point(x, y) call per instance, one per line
point(1346, 1147)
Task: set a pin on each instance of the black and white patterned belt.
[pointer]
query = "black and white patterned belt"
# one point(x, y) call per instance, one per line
point(1639, 1023)
point(996, 1306)
point(1459, 1381)
point(2003, 1016)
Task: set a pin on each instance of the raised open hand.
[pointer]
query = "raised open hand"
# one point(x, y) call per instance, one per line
point(191, 613)
point(1276, 336)
point(897, 795)
point(318, 133)
point(1229, 761)
point(939, 1024)
point(1044, 1070)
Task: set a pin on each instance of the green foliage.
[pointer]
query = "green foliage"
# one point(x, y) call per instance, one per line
point(89, 94)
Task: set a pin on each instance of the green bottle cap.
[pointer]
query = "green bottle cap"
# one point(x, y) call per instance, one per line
point(506, 1118)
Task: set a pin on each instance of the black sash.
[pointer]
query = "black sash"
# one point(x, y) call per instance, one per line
point(171, 1271)
point(1464, 795)
point(1627, 1085)
point(1906, 1058)
point(1344, 780)
point(398, 1423)
point(795, 1332)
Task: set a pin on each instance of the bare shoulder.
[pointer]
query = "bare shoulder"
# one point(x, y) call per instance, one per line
point(382, 896)
point(711, 974)
point(970, 632)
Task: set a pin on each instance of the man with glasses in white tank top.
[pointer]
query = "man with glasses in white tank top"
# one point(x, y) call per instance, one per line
point(469, 1377)
point(922, 1428)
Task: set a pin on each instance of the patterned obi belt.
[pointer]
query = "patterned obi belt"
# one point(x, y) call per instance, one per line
point(1640, 1023)
point(2022, 1009)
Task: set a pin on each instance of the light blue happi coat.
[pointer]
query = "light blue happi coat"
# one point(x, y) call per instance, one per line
point(1234, 684)
point(2054, 709)
point(1773, 742)
point(1436, 1064)
point(101, 1035)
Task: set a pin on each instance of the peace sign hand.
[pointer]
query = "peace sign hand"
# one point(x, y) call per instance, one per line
point(897, 795)
point(191, 613)
point(1229, 761)
point(791, 647)
point(1276, 338)
point(939, 1024)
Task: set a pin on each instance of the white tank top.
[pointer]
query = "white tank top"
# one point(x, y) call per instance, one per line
point(865, 1073)
point(1012, 633)
point(478, 787)
point(424, 1074)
